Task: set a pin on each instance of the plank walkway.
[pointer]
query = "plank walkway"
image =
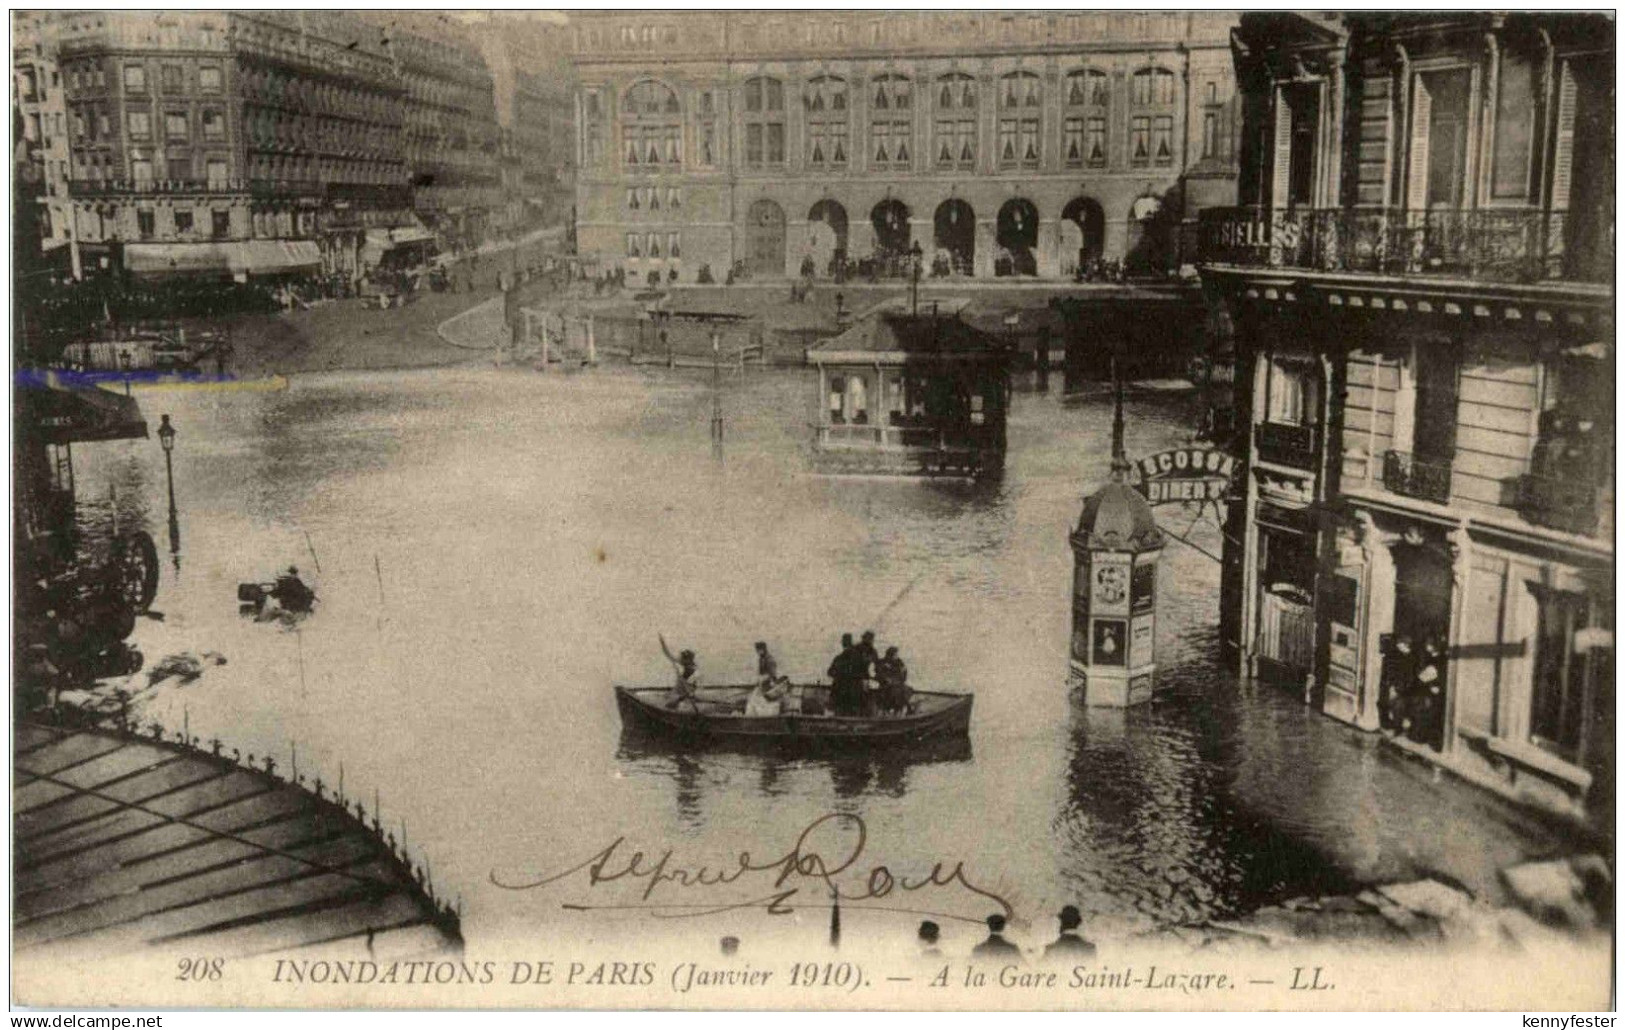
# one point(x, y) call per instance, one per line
point(125, 841)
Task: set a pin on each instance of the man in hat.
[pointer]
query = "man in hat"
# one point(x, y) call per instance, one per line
point(1070, 944)
point(996, 946)
point(868, 659)
point(892, 675)
point(291, 592)
point(846, 679)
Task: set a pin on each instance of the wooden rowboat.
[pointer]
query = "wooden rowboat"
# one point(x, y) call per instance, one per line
point(718, 716)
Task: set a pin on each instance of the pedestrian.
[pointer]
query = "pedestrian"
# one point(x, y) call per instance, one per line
point(927, 939)
point(1070, 944)
point(996, 945)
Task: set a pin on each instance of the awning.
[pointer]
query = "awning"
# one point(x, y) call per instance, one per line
point(57, 413)
point(177, 257)
point(259, 257)
point(247, 256)
point(410, 234)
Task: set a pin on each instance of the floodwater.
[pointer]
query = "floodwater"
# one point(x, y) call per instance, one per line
point(493, 549)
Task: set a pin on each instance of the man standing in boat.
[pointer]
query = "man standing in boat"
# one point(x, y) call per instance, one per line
point(766, 699)
point(893, 677)
point(846, 679)
point(868, 673)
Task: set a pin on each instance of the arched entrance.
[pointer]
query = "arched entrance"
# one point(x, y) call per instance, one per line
point(764, 238)
point(954, 237)
point(1090, 218)
point(890, 218)
point(1017, 237)
point(826, 225)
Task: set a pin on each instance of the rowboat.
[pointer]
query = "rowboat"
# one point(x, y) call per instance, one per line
point(717, 714)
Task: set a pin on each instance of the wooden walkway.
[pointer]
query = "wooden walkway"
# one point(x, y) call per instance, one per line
point(124, 842)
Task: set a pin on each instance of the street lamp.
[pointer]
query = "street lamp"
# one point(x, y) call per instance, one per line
point(166, 439)
point(915, 255)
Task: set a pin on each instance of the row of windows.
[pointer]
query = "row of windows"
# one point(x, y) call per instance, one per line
point(177, 125)
point(654, 244)
point(172, 77)
point(1149, 87)
point(652, 198)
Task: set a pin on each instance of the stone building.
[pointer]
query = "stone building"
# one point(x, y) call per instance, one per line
point(1002, 142)
point(449, 123)
point(38, 100)
point(242, 143)
point(529, 58)
point(1420, 285)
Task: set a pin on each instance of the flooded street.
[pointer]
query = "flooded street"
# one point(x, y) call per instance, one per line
point(494, 549)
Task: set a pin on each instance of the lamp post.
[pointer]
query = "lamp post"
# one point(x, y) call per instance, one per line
point(124, 367)
point(166, 439)
point(915, 256)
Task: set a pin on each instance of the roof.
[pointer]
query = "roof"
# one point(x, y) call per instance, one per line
point(58, 413)
point(897, 336)
point(1117, 518)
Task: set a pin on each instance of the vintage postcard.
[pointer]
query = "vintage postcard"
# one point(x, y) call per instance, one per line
point(813, 509)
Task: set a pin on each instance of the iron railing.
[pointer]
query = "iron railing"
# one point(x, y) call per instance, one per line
point(1292, 446)
point(1517, 245)
point(1403, 474)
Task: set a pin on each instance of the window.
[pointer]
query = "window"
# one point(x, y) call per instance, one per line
point(1162, 134)
point(1439, 117)
point(837, 400)
point(634, 244)
point(827, 122)
point(1153, 86)
point(956, 143)
point(140, 125)
point(79, 125)
point(1020, 90)
point(101, 78)
point(104, 125)
point(1514, 128)
point(209, 79)
point(179, 169)
point(175, 125)
point(764, 122)
point(217, 172)
point(956, 91)
point(1573, 652)
point(1019, 93)
point(1087, 88)
point(1073, 146)
point(214, 125)
point(655, 249)
point(674, 245)
point(1096, 142)
point(30, 87)
point(220, 223)
point(146, 223)
point(633, 202)
point(1291, 393)
point(173, 78)
point(183, 223)
point(674, 198)
point(135, 78)
point(892, 122)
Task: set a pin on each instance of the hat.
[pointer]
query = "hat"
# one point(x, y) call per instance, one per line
point(761, 645)
point(1070, 918)
point(686, 655)
point(846, 640)
point(890, 651)
point(868, 634)
point(995, 922)
point(929, 931)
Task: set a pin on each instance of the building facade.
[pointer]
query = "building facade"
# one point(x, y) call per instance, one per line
point(1002, 143)
point(38, 100)
point(1420, 285)
point(449, 124)
point(529, 58)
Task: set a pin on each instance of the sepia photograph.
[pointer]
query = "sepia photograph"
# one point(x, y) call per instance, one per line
point(812, 509)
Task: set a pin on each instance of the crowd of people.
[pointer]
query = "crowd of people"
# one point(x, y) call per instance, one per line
point(863, 683)
point(1069, 944)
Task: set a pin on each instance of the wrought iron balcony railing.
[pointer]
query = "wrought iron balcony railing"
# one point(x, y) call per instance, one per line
point(1521, 245)
point(121, 187)
point(1292, 446)
point(1404, 474)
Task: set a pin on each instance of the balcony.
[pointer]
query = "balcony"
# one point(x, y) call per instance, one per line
point(1566, 504)
point(147, 187)
point(1403, 474)
point(1281, 444)
point(1516, 246)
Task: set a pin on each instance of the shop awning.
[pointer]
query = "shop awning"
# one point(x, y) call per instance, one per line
point(261, 257)
point(58, 413)
point(159, 258)
point(253, 257)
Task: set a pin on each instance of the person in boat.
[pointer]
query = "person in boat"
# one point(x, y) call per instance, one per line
point(686, 685)
point(868, 669)
point(291, 592)
point(767, 697)
point(892, 675)
point(846, 679)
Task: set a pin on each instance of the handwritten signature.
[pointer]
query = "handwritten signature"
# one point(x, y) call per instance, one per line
point(784, 877)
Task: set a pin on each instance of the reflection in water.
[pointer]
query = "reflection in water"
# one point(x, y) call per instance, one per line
point(497, 549)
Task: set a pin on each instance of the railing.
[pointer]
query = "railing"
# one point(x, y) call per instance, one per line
point(1523, 245)
point(1425, 480)
point(1292, 446)
point(902, 437)
point(110, 187)
point(1567, 504)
